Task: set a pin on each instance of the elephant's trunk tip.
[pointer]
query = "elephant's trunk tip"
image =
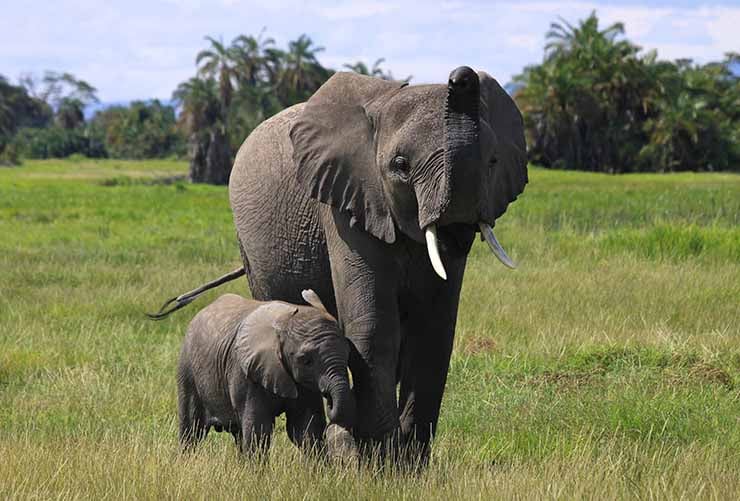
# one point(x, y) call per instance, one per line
point(342, 407)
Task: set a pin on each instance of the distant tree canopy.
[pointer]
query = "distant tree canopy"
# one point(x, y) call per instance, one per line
point(17, 110)
point(143, 129)
point(596, 104)
point(235, 88)
point(239, 85)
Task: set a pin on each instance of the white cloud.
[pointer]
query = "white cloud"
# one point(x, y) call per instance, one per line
point(723, 27)
point(357, 10)
point(526, 41)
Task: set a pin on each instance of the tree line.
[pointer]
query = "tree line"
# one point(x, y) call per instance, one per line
point(239, 85)
point(44, 118)
point(236, 86)
point(596, 102)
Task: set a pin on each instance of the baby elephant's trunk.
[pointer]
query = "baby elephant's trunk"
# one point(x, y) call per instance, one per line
point(341, 399)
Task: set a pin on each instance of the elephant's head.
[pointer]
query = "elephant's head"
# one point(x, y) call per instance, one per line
point(417, 158)
point(281, 344)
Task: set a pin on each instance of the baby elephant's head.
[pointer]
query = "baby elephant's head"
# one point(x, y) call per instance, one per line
point(316, 353)
point(284, 344)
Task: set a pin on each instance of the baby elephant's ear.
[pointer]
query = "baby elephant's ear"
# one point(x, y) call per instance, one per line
point(313, 299)
point(258, 349)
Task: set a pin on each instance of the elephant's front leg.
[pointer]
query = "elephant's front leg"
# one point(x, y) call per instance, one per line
point(256, 416)
point(256, 432)
point(365, 276)
point(305, 422)
point(429, 329)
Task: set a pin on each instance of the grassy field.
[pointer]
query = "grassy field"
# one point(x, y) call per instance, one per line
point(607, 366)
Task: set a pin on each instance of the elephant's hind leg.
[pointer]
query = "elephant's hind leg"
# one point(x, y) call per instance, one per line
point(191, 413)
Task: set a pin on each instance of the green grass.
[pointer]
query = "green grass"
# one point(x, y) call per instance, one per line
point(606, 366)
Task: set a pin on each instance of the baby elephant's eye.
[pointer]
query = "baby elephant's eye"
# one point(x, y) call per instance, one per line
point(400, 164)
point(306, 360)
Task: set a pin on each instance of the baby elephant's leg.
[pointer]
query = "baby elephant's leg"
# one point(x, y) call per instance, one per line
point(305, 425)
point(256, 431)
point(193, 425)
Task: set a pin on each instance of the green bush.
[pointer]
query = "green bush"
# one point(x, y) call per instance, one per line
point(56, 142)
point(144, 129)
point(9, 155)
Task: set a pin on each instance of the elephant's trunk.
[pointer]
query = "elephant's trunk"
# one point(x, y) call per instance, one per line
point(342, 406)
point(463, 162)
point(450, 179)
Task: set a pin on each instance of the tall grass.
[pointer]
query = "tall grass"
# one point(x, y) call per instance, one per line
point(606, 366)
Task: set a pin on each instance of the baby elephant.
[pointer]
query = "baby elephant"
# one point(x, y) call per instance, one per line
point(245, 362)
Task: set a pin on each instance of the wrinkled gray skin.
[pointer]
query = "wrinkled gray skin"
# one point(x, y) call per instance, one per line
point(336, 193)
point(245, 362)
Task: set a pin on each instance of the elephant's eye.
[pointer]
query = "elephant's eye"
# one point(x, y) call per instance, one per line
point(400, 166)
point(306, 360)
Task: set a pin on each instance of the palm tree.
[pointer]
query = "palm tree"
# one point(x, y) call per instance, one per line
point(217, 63)
point(375, 71)
point(584, 104)
point(360, 68)
point(563, 37)
point(7, 121)
point(199, 104)
point(248, 55)
point(302, 73)
point(69, 113)
point(274, 66)
point(7, 126)
point(202, 118)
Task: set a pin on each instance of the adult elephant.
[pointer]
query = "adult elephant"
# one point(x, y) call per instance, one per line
point(371, 193)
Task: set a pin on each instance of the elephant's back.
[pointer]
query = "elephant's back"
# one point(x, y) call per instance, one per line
point(217, 322)
point(283, 244)
point(264, 160)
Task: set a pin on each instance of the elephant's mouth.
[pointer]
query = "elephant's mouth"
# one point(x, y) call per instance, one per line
point(456, 239)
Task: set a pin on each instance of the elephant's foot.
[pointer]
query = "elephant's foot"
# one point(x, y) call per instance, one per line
point(341, 446)
point(413, 451)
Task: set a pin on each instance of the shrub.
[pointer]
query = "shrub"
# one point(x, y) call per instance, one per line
point(56, 142)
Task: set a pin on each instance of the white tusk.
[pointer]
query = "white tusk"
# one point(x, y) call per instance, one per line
point(431, 236)
point(496, 248)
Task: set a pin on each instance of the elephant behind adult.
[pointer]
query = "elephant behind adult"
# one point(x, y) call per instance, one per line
point(350, 192)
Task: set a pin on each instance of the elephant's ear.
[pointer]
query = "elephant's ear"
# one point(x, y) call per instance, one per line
point(334, 150)
point(508, 175)
point(313, 299)
point(257, 346)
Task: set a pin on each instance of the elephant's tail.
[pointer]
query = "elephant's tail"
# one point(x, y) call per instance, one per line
point(185, 299)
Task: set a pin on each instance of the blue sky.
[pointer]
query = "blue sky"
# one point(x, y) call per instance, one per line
point(143, 48)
